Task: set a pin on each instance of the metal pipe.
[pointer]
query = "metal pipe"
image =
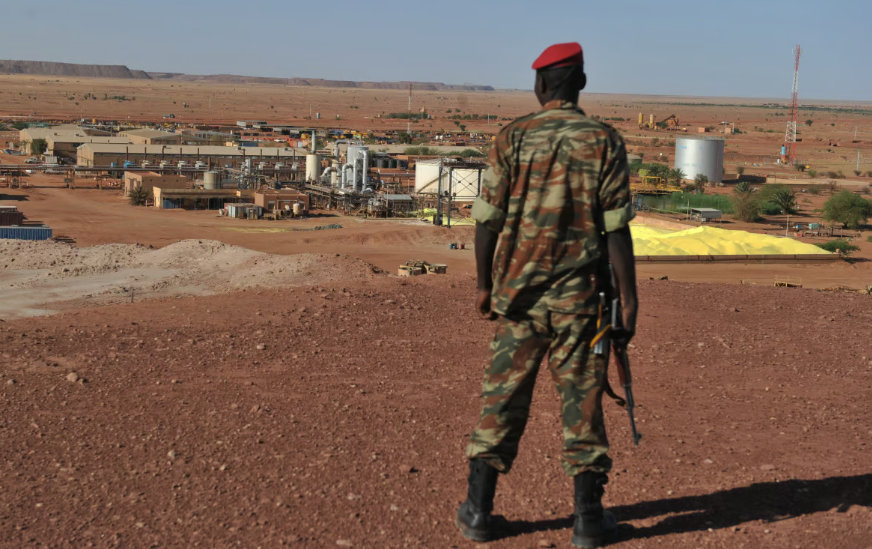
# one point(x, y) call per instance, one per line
point(363, 179)
point(345, 169)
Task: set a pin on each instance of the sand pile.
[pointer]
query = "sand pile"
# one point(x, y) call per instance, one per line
point(35, 277)
point(713, 241)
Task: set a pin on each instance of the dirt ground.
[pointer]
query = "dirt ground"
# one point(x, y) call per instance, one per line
point(176, 378)
point(336, 415)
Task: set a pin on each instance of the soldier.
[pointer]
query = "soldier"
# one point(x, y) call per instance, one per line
point(553, 212)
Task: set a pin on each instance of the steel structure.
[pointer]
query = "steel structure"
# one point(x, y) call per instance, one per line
point(788, 151)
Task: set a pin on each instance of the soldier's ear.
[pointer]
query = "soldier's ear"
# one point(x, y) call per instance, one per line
point(582, 81)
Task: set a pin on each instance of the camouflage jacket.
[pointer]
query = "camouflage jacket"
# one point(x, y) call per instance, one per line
point(557, 181)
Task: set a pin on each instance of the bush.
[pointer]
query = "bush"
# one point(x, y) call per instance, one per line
point(839, 245)
point(746, 205)
point(847, 208)
point(138, 196)
point(38, 146)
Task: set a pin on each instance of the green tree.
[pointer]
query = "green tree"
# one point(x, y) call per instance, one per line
point(741, 171)
point(138, 196)
point(839, 245)
point(675, 176)
point(809, 122)
point(746, 203)
point(38, 146)
point(785, 199)
point(847, 208)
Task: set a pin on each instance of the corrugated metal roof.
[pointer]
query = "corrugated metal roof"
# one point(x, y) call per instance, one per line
point(193, 150)
point(86, 139)
point(149, 132)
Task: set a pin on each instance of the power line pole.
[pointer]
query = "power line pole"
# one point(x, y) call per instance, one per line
point(409, 112)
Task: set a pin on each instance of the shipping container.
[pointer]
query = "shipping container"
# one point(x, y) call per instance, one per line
point(26, 233)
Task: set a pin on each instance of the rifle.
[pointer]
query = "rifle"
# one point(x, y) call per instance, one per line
point(601, 343)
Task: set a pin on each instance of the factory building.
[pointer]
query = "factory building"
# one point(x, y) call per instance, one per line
point(148, 136)
point(281, 200)
point(27, 135)
point(66, 146)
point(99, 155)
point(193, 199)
point(150, 180)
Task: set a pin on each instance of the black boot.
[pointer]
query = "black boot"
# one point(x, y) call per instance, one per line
point(593, 525)
point(473, 517)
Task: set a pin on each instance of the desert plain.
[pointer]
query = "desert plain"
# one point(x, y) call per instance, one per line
point(175, 378)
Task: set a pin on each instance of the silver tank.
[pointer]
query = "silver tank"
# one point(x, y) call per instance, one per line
point(700, 155)
point(210, 180)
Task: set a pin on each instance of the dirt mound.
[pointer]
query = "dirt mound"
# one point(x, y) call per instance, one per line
point(38, 276)
point(52, 68)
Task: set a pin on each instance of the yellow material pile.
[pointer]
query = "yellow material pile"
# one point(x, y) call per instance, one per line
point(713, 241)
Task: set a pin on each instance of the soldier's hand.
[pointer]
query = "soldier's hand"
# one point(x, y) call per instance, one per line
point(483, 304)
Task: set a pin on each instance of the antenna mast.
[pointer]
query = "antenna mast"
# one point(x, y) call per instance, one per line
point(788, 151)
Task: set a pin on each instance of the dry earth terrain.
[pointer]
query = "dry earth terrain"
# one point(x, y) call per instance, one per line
point(192, 380)
point(335, 415)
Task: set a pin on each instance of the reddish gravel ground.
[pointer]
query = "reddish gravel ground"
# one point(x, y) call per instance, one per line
point(336, 417)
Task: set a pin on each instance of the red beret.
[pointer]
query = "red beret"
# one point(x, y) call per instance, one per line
point(560, 55)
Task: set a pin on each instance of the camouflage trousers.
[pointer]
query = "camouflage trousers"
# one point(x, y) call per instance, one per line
point(517, 350)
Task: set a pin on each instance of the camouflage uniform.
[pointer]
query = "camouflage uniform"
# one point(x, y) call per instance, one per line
point(557, 181)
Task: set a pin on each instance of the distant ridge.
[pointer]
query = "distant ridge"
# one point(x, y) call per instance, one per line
point(52, 68)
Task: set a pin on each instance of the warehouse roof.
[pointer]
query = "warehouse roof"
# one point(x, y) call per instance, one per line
point(69, 138)
point(148, 133)
point(193, 150)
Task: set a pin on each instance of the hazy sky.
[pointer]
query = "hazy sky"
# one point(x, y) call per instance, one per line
point(703, 47)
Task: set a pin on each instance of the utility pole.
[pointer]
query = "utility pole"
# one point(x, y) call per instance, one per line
point(409, 111)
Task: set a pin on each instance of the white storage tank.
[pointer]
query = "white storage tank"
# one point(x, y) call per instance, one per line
point(313, 167)
point(700, 155)
point(210, 180)
point(465, 182)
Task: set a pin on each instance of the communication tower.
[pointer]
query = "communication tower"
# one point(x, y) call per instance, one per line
point(788, 150)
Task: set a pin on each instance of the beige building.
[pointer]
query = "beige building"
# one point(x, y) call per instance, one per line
point(65, 146)
point(149, 180)
point(193, 199)
point(148, 136)
point(282, 200)
point(27, 135)
point(100, 154)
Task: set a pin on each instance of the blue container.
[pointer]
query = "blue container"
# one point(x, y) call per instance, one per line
point(26, 233)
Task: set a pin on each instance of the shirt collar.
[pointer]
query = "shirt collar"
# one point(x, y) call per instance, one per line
point(559, 104)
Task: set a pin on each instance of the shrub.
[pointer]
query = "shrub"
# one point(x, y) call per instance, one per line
point(38, 146)
point(138, 196)
point(746, 205)
point(847, 208)
point(839, 245)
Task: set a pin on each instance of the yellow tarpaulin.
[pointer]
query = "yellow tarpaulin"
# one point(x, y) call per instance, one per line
point(713, 241)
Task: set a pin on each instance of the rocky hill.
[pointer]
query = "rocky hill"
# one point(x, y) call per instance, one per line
point(51, 68)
